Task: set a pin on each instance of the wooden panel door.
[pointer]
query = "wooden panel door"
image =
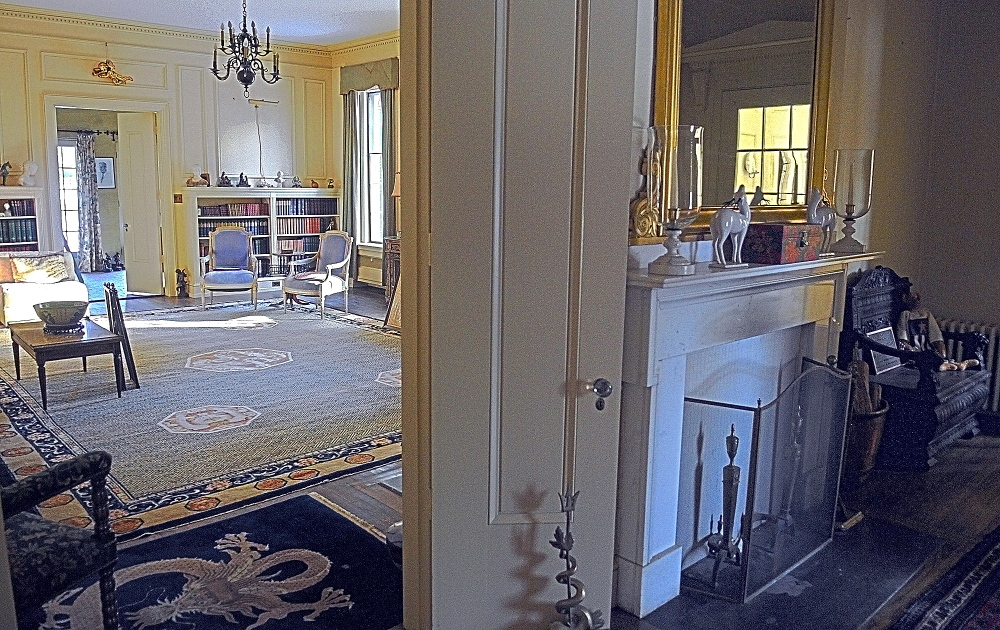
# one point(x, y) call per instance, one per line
point(516, 132)
point(139, 198)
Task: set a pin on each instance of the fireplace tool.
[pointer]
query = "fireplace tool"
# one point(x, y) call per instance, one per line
point(721, 545)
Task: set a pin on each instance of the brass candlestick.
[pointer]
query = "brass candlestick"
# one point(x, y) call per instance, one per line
point(575, 615)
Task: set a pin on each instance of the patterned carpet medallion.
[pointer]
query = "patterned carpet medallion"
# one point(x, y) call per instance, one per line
point(966, 598)
point(234, 405)
point(260, 569)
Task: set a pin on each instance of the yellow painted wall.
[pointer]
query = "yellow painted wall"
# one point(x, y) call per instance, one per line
point(46, 57)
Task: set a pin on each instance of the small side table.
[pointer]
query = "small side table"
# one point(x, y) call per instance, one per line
point(390, 258)
point(43, 347)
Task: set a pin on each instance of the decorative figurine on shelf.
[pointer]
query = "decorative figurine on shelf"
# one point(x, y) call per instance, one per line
point(730, 221)
point(243, 181)
point(262, 182)
point(819, 212)
point(280, 180)
point(202, 180)
point(28, 175)
point(4, 172)
point(182, 283)
point(758, 198)
point(224, 181)
point(296, 182)
point(314, 184)
point(329, 183)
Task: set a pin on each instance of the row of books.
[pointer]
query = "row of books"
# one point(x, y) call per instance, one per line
point(18, 231)
point(258, 245)
point(18, 207)
point(280, 263)
point(234, 210)
point(305, 206)
point(256, 227)
point(305, 225)
point(18, 248)
point(306, 244)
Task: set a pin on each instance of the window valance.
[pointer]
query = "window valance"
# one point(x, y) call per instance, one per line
point(364, 76)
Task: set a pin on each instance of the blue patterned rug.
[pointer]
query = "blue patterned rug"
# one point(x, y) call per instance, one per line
point(236, 405)
point(279, 567)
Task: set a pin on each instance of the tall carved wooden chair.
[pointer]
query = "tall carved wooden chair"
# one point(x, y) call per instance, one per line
point(47, 558)
point(928, 409)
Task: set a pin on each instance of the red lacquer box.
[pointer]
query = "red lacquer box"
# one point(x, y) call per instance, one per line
point(776, 243)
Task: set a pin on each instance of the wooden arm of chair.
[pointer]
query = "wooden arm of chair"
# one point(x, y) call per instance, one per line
point(34, 489)
point(203, 260)
point(927, 361)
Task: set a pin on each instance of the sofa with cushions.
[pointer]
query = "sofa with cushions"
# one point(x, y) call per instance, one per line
point(27, 278)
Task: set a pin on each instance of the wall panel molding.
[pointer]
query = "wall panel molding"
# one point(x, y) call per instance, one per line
point(15, 144)
point(79, 69)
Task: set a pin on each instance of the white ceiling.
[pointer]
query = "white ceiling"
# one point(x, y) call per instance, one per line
point(303, 21)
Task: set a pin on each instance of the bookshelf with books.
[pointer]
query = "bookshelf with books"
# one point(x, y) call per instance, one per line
point(284, 223)
point(19, 219)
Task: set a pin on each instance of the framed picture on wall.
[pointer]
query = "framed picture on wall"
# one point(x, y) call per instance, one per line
point(105, 172)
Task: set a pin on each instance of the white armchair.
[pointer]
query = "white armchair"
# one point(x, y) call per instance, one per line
point(230, 264)
point(327, 273)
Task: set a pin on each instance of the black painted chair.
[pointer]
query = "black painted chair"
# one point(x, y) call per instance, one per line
point(47, 558)
point(928, 409)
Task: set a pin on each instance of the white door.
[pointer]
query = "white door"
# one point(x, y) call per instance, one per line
point(516, 139)
point(139, 199)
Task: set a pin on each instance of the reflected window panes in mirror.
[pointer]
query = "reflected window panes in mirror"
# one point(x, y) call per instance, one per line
point(747, 78)
point(773, 152)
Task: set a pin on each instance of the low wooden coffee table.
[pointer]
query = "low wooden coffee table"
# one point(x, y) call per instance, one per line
point(44, 347)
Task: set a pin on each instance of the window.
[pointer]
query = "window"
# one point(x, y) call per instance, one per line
point(69, 199)
point(371, 190)
point(773, 152)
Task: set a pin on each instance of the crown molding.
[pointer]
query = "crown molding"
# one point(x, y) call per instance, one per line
point(8, 11)
point(362, 44)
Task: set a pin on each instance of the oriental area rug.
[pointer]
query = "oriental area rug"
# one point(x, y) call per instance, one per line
point(260, 569)
point(234, 406)
point(967, 597)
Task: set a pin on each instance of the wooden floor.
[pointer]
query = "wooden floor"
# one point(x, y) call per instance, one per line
point(370, 494)
point(957, 500)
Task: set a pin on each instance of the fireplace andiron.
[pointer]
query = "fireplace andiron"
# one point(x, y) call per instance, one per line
point(575, 615)
point(721, 544)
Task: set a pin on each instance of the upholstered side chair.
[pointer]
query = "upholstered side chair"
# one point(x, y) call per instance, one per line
point(48, 558)
point(327, 273)
point(230, 264)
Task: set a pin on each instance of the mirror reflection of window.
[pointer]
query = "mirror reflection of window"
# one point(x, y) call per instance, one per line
point(773, 152)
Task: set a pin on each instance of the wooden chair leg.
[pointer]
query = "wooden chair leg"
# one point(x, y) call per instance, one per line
point(109, 601)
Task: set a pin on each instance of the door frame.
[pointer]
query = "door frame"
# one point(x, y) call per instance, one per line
point(160, 110)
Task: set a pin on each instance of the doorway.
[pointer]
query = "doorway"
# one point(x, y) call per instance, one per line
point(108, 213)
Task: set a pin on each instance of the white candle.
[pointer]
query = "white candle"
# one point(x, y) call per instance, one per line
point(850, 185)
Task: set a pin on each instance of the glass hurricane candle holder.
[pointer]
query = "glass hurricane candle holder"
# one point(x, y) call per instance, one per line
point(852, 193)
point(674, 191)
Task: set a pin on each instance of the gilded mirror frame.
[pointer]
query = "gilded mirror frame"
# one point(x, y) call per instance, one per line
point(644, 229)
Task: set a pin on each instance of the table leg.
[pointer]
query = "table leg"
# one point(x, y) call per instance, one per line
point(84, 364)
point(17, 361)
point(41, 383)
point(119, 372)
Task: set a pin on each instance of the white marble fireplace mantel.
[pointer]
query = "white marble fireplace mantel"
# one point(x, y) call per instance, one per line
point(681, 334)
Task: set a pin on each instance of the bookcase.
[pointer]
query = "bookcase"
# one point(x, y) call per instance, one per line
point(19, 218)
point(284, 223)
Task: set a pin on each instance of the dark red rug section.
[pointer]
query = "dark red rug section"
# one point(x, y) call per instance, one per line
point(967, 597)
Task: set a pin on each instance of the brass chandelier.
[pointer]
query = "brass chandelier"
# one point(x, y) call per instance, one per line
point(245, 55)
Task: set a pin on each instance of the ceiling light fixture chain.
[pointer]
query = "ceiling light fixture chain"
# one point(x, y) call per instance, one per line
point(245, 54)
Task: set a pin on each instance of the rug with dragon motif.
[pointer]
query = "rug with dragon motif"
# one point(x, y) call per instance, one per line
point(278, 567)
point(236, 405)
